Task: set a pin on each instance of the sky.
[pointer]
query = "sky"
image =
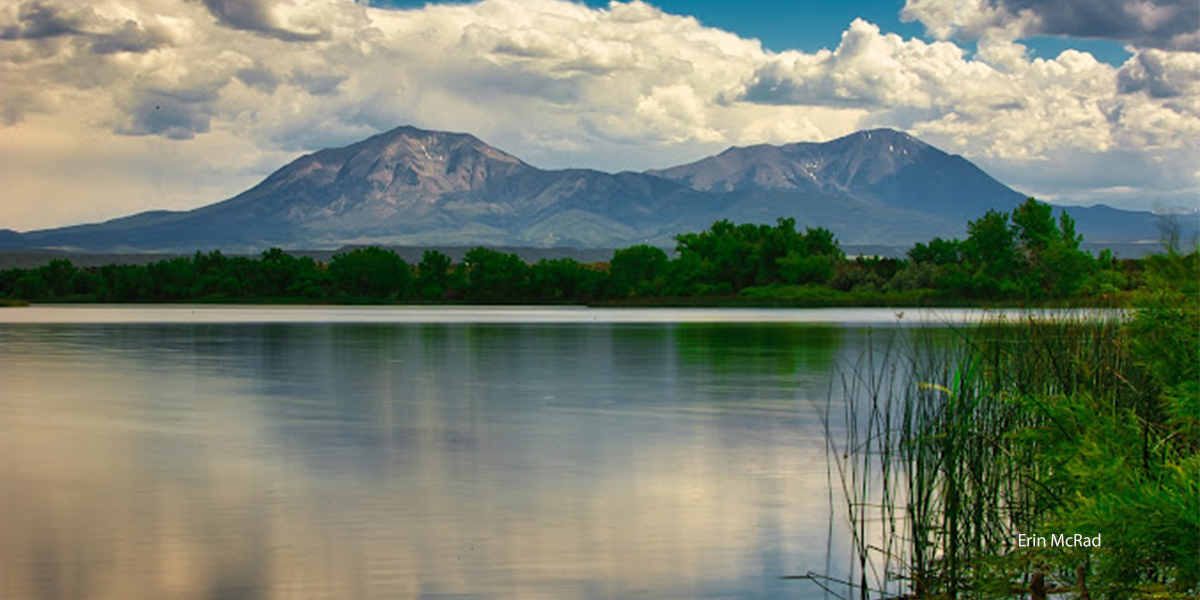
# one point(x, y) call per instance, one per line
point(114, 107)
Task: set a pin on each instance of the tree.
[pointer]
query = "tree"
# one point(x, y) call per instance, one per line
point(8, 282)
point(433, 275)
point(1051, 261)
point(991, 245)
point(821, 241)
point(128, 283)
point(639, 270)
point(173, 279)
point(371, 273)
point(31, 285)
point(812, 259)
point(728, 257)
point(800, 269)
point(495, 277)
point(991, 257)
point(564, 280)
point(938, 252)
point(1033, 222)
point(1066, 265)
point(726, 253)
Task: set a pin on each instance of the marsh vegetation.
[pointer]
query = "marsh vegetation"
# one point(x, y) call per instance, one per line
point(1032, 427)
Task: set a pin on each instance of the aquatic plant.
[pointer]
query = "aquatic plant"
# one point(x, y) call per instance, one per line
point(957, 450)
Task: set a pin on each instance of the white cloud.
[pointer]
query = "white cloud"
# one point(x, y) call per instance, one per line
point(170, 82)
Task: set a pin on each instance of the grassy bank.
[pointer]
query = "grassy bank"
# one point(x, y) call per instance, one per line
point(1030, 428)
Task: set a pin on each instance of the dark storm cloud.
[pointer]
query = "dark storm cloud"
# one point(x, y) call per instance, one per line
point(174, 115)
point(1153, 72)
point(1168, 24)
point(40, 20)
point(255, 15)
point(129, 38)
point(770, 86)
point(317, 84)
point(1153, 23)
point(259, 78)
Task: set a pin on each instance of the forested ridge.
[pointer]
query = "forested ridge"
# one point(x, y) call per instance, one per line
point(1027, 256)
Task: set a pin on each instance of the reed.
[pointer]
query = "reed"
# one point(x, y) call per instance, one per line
point(956, 444)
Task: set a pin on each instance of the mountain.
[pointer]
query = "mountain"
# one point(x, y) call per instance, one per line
point(411, 186)
point(10, 238)
point(881, 165)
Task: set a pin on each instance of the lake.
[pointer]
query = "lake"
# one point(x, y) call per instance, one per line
point(396, 452)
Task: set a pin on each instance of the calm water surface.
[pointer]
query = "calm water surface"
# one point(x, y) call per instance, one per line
point(277, 453)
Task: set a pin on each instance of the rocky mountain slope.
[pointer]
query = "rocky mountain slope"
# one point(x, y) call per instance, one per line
point(416, 187)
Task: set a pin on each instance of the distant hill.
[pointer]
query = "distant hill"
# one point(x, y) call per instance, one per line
point(10, 238)
point(413, 187)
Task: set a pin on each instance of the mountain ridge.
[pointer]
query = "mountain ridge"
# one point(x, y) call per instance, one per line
point(411, 186)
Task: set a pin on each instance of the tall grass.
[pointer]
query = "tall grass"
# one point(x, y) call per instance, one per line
point(956, 445)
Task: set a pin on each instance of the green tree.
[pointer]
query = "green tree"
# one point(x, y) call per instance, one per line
point(1034, 225)
point(937, 252)
point(1067, 265)
point(495, 277)
point(728, 257)
point(213, 277)
point(31, 285)
point(811, 259)
point(726, 253)
point(991, 256)
point(821, 241)
point(173, 279)
point(639, 270)
point(8, 282)
point(371, 272)
point(800, 268)
point(1052, 263)
point(433, 275)
point(276, 274)
point(128, 283)
point(565, 280)
point(58, 275)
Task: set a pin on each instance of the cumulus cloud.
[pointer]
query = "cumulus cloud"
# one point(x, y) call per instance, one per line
point(562, 84)
point(37, 20)
point(129, 37)
point(267, 17)
point(1161, 74)
point(1166, 24)
point(45, 21)
point(997, 104)
point(174, 115)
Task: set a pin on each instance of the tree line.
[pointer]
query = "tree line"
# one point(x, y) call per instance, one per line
point(1026, 255)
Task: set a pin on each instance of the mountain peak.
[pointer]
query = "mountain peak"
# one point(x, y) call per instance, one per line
point(881, 138)
point(886, 133)
point(836, 167)
point(433, 147)
point(415, 186)
point(884, 165)
point(402, 161)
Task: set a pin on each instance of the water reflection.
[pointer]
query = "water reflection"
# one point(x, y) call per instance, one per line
point(412, 460)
